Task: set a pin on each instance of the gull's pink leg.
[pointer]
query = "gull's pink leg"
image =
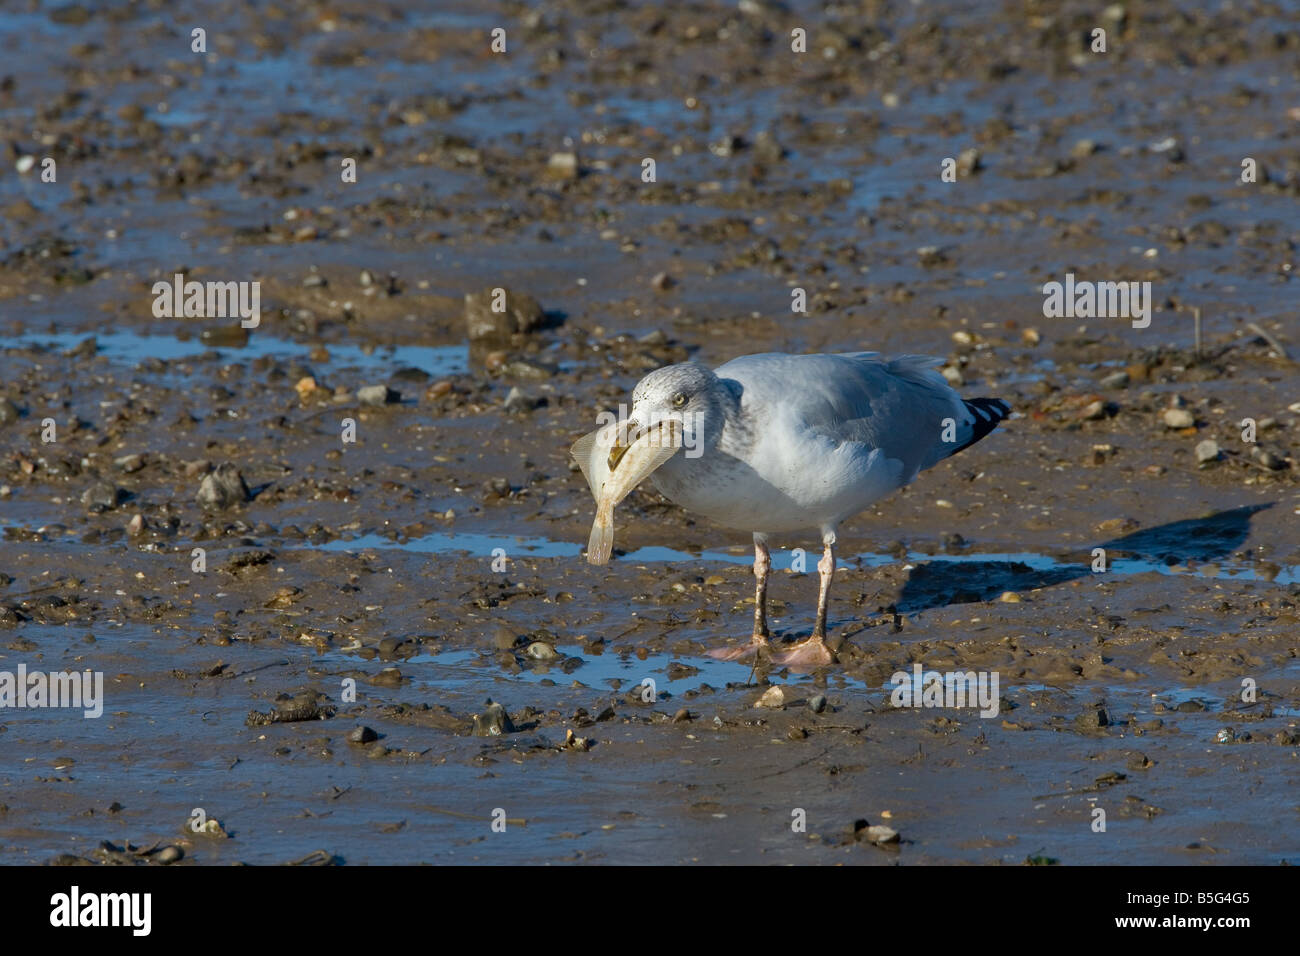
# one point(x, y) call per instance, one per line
point(813, 653)
point(757, 646)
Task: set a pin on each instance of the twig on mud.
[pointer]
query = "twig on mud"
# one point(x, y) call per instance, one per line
point(513, 821)
point(254, 670)
point(808, 760)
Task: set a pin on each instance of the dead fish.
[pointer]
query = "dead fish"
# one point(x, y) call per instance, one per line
point(614, 460)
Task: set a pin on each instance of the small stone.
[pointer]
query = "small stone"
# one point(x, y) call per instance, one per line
point(8, 411)
point(882, 834)
point(541, 651)
point(562, 165)
point(305, 386)
point(493, 722)
point(682, 716)
point(378, 395)
point(362, 735)
point(662, 282)
point(1207, 451)
point(1178, 418)
point(817, 703)
point(518, 401)
point(864, 832)
point(135, 526)
point(314, 280)
point(503, 639)
point(1093, 411)
point(1093, 719)
point(521, 315)
point(968, 161)
point(169, 854)
point(1115, 379)
point(1225, 736)
point(102, 496)
point(1009, 597)
point(1268, 459)
point(223, 487)
point(774, 697)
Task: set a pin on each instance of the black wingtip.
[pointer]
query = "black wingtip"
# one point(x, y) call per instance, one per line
point(988, 414)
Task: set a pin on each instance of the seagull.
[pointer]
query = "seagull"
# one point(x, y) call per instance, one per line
point(779, 443)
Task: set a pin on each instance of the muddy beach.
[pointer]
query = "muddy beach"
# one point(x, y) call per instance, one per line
point(331, 567)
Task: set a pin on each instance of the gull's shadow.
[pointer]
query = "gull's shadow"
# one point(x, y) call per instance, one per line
point(942, 582)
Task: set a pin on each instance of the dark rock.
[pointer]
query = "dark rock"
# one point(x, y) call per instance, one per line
point(493, 722)
point(522, 315)
point(102, 496)
point(223, 487)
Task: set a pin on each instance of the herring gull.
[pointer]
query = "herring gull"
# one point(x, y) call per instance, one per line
point(784, 443)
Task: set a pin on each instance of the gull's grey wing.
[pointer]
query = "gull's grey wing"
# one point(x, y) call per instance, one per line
point(899, 405)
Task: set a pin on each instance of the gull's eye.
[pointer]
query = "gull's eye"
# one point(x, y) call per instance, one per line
point(679, 400)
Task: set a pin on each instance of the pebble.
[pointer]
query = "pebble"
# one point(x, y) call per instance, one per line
point(522, 315)
point(1178, 418)
point(864, 832)
point(223, 487)
point(662, 282)
point(102, 496)
point(881, 834)
point(1267, 458)
point(378, 395)
point(362, 735)
point(493, 722)
point(968, 161)
point(817, 703)
point(136, 525)
point(1207, 451)
point(8, 411)
point(1115, 379)
point(563, 165)
point(518, 401)
point(1093, 411)
point(774, 696)
point(169, 854)
point(541, 651)
point(1093, 719)
point(1010, 597)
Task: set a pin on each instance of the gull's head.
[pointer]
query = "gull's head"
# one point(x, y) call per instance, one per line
point(688, 393)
